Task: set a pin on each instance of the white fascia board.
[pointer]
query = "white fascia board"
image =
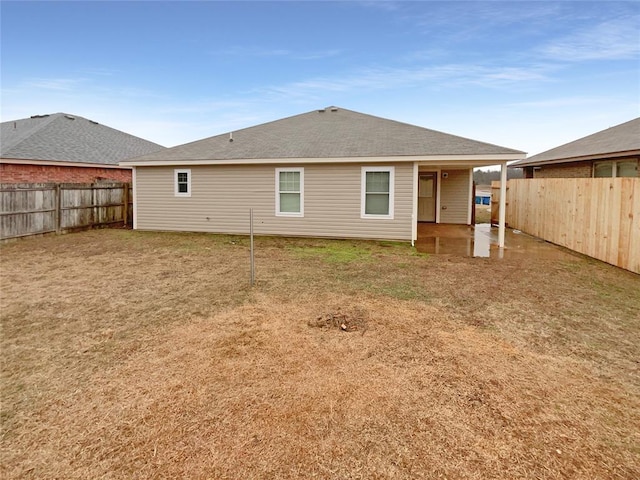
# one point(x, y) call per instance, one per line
point(62, 163)
point(465, 164)
point(448, 160)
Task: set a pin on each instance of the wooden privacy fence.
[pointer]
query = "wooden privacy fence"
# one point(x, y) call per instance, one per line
point(599, 217)
point(36, 208)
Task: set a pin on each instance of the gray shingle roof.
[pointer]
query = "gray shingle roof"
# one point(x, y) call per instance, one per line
point(69, 138)
point(614, 141)
point(330, 133)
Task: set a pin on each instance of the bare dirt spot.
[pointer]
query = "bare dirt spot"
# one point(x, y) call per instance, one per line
point(344, 322)
point(152, 358)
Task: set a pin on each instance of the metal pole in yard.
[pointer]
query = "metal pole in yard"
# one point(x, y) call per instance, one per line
point(253, 272)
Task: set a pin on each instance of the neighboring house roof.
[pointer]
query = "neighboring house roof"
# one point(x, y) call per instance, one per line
point(69, 138)
point(324, 134)
point(621, 140)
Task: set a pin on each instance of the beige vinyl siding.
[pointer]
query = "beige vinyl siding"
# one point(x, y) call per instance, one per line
point(221, 197)
point(454, 196)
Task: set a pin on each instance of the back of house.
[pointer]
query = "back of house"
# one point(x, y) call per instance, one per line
point(330, 172)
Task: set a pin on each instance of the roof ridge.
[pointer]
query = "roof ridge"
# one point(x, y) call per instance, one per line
point(37, 128)
point(377, 117)
point(68, 137)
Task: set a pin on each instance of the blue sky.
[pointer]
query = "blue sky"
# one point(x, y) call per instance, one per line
point(526, 75)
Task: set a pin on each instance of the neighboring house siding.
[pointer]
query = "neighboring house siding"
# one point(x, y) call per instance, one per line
point(454, 196)
point(21, 173)
point(221, 197)
point(564, 170)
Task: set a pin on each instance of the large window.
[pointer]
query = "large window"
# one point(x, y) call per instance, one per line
point(290, 192)
point(377, 192)
point(616, 168)
point(182, 183)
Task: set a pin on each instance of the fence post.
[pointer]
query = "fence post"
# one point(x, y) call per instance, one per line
point(93, 205)
point(125, 203)
point(58, 202)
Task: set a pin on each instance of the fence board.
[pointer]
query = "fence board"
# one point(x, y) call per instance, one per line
point(32, 209)
point(599, 217)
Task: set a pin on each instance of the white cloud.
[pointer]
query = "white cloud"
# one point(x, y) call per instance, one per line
point(106, 72)
point(60, 84)
point(393, 78)
point(318, 55)
point(611, 40)
point(239, 51)
point(464, 20)
point(386, 5)
point(561, 102)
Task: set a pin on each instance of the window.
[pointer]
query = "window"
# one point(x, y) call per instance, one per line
point(290, 192)
point(616, 168)
point(377, 192)
point(182, 183)
point(603, 169)
point(627, 169)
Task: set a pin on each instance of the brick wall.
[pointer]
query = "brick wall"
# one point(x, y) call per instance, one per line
point(20, 173)
point(564, 170)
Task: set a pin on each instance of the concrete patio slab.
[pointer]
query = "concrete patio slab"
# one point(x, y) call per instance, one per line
point(482, 241)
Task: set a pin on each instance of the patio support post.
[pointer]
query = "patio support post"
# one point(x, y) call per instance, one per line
point(134, 192)
point(503, 204)
point(414, 208)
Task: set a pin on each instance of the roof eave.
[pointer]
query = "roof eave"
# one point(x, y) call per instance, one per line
point(581, 158)
point(475, 160)
point(60, 163)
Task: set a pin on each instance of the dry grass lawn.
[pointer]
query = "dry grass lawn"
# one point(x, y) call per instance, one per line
point(483, 213)
point(133, 355)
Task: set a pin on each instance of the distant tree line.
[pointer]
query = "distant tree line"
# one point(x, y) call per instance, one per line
point(485, 177)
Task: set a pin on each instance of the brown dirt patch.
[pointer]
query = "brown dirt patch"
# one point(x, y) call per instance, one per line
point(345, 322)
point(133, 355)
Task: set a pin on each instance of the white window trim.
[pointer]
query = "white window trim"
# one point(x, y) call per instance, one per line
point(300, 170)
point(363, 192)
point(175, 182)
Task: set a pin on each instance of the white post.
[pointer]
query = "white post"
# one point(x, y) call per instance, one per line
point(414, 208)
point(134, 191)
point(503, 204)
point(472, 204)
point(253, 271)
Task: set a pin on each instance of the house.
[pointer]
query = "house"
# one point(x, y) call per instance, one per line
point(66, 148)
point(483, 195)
point(613, 152)
point(331, 172)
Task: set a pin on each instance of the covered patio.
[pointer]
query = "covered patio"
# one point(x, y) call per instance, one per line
point(444, 197)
